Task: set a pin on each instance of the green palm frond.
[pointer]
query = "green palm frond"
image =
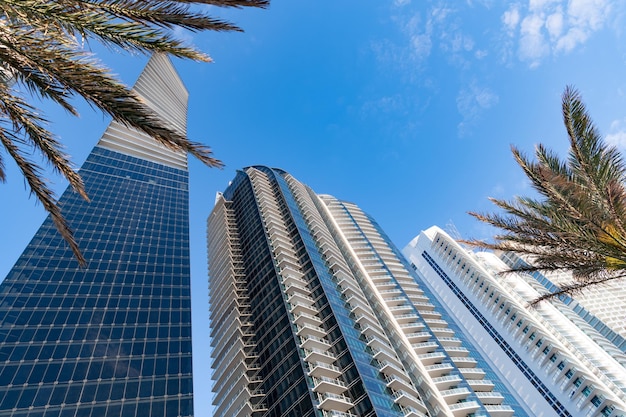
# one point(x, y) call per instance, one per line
point(42, 50)
point(578, 222)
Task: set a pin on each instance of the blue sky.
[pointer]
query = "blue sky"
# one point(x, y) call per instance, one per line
point(407, 108)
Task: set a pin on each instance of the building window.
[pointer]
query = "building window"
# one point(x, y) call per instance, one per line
point(577, 382)
point(553, 358)
point(586, 391)
point(569, 374)
point(561, 365)
point(606, 411)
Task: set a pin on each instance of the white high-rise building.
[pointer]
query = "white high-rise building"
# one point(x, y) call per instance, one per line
point(314, 312)
point(602, 307)
point(556, 363)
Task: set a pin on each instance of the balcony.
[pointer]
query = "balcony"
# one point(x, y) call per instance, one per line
point(447, 381)
point(292, 277)
point(298, 307)
point(337, 414)
point(312, 342)
point(450, 341)
point(499, 410)
point(436, 322)
point(423, 306)
point(442, 332)
point(395, 301)
point(399, 384)
point(490, 398)
point(418, 337)
point(391, 368)
point(376, 342)
point(360, 310)
point(455, 395)
point(372, 330)
point(424, 347)
point(285, 262)
point(329, 385)
point(456, 351)
point(402, 310)
point(411, 412)
point(317, 355)
point(437, 370)
point(334, 402)
point(406, 319)
point(482, 385)
point(463, 408)
point(472, 373)
point(464, 362)
point(321, 369)
point(405, 399)
point(292, 289)
point(413, 327)
point(304, 318)
point(309, 330)
point(431, 358)
point(299, 297)
point(383, 355)
point(366, 319)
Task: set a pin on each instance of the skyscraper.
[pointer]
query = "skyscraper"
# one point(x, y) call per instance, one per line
point(603, 307)
point(554, 361)
point(315, 313)
point(112, 339)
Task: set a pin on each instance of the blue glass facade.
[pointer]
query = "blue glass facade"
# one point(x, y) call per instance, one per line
point(113, 338)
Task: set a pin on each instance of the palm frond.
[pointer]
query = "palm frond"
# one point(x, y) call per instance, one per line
point(32, 174)
point(42, 49)
point(578, 223)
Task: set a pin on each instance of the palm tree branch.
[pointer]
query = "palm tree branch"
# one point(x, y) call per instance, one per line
point(18, 58)
point(575, 287)
point(25, 120)
point(32, 174)
point(77, 73)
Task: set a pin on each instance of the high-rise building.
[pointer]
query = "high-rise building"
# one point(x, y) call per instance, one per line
point(603, 307)
point(314, 312)
point(554, 361)
point(113, 338)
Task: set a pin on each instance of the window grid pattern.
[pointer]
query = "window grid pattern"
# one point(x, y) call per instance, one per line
point(113, 338)
point(510, 352)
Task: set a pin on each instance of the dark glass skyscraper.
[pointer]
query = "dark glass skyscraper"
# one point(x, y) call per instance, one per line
point(314, 312)
point(112, 339)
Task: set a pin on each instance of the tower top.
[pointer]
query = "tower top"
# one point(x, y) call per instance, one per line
point(162, 90)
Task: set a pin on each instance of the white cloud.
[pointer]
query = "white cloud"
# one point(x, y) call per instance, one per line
point(532, 44)
point(511, 18)
point(617, 137)
point(552, 27)
point(471, 102)
point(554, 24)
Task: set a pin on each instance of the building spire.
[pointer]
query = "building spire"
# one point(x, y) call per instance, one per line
point(161, 89)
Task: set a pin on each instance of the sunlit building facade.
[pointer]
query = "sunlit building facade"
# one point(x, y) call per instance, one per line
point(113, 338)
point(314, 312)
point(555, 362)
point(602, 307)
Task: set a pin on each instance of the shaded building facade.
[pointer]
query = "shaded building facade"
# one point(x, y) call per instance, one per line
point(114, 338)
point(314, 312)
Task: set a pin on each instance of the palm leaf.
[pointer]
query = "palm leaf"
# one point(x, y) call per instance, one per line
point(578, 222)
point(42, 52)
